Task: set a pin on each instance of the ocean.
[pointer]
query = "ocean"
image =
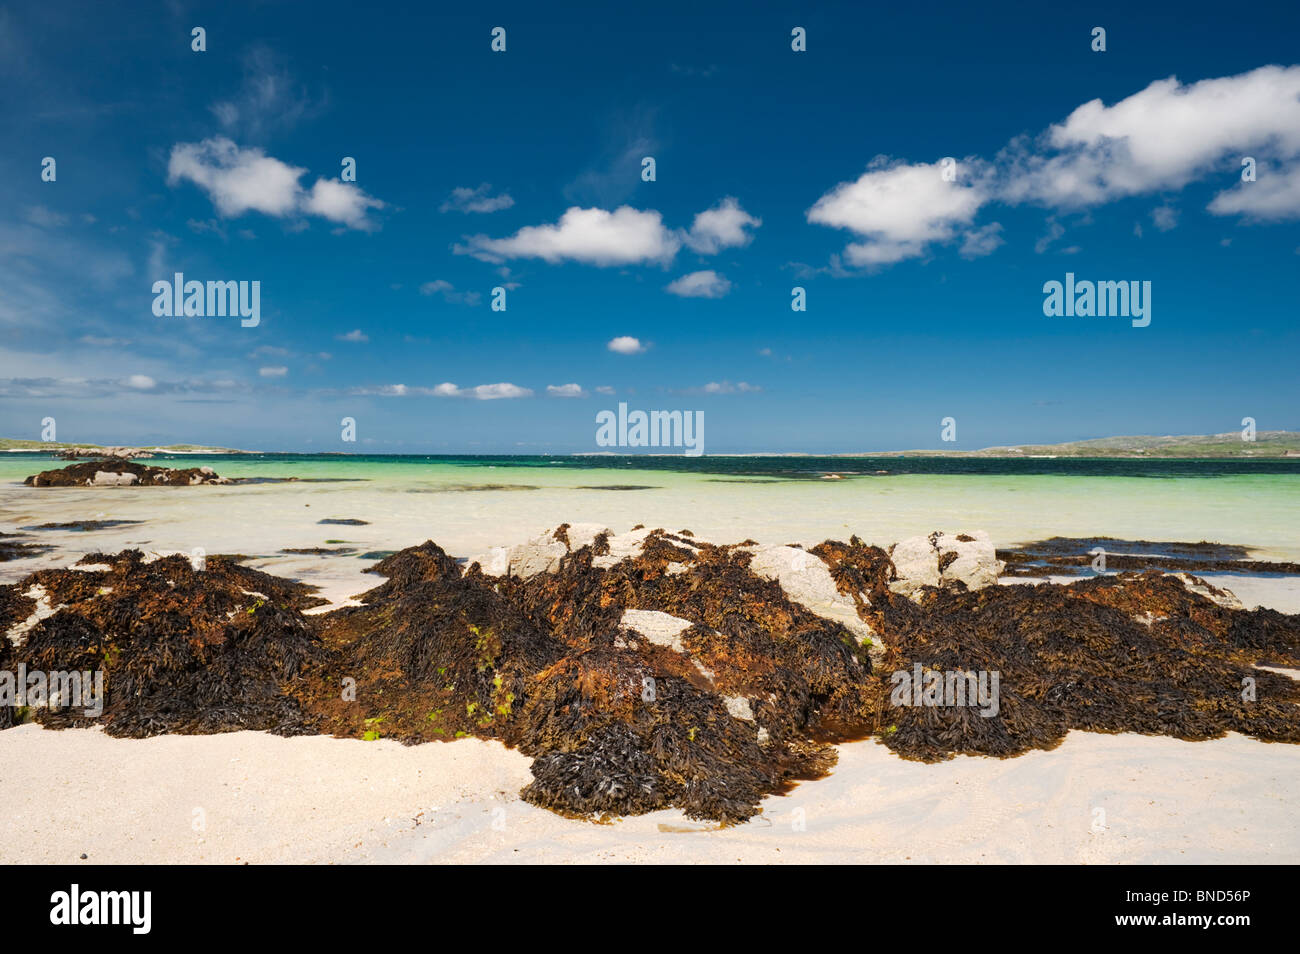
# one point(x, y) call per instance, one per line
point(467, 504)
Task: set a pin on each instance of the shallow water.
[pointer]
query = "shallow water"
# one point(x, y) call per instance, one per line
point(469, 504)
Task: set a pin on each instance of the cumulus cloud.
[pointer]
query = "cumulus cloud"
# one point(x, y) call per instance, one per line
point(273, 371)
point(140, 382)
point(1159, 139)
point(706, 284)
point(722, 226)
point(341, 202)
point(898, 208)
point(479, 199)
point(483, 392)
point(625, 344)
point(1273, 196)
point(565, 390)
point(240, 180)
point(626, 236)
point(356, 335)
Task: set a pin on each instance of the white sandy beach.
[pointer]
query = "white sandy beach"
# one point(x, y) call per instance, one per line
point(1098, 799)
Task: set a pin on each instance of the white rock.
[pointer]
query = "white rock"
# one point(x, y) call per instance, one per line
point(738, 707)
point(1225, 598)
point(977, 563)
point(104, 478)
point(917, 561)
point(542, 554)
point(916, 564)
point(662, 629)
point(806, 579)
point(622, 546)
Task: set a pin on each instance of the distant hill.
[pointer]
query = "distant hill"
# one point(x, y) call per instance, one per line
point(1267, 444)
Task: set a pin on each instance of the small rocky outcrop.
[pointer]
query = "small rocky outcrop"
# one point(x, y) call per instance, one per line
point(119, 472)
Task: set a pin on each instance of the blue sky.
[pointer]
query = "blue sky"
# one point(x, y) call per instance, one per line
point(522, 170)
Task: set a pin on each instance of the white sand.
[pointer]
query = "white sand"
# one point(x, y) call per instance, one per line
point(265, 799)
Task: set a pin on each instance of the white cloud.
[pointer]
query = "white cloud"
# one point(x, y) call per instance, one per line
point(706, 284)
point(605, 389)
point(356, 335)
point(483, 392)
point(45, 218)
point(1160, 138)
point(1273, 196)
point(449, 294)
point(1157, 140)
point(899, 208)
point(140, 382)
point(722, 387)
point(479, 199)
point(625, 236)
point(341, 202)
point(275, 371)
point(982, 241)
point(1165, 217)
point(722, 226)
point(625, 344)
point(268, 98)
point(565, 390)
point(242, 180)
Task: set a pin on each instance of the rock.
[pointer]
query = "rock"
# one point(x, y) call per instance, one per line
point(941, 559)
point(120, 472)
point(121, 453)
point(661, 629)
point(806, 579)
point(1225, 598)
point(107, 478)
point(542, 554)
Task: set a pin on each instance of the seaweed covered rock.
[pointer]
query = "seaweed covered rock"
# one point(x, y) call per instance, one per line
point(654, 670)
point(684, 652)
point(617, 734)
point(181, 649)
point(674, 677)
point(1125, 653)
point(119, 472)
point(430, 655)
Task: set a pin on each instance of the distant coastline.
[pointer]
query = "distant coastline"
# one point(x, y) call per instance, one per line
point(1267, 445)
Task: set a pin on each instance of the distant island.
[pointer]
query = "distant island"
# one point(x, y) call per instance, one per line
point(1267, 444)
point(9, 444)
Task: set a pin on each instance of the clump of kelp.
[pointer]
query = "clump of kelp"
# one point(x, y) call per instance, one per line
point(741, 695)
point(181, 649)
point(1123, 653)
